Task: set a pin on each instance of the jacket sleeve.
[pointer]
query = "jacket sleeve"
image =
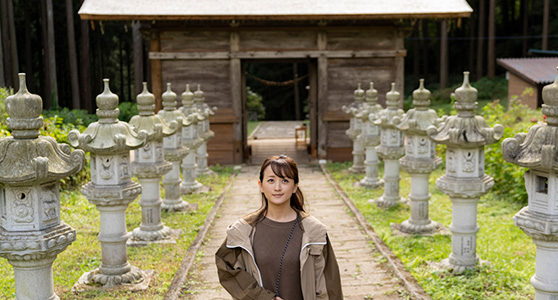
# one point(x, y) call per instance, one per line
point(331, 273)
point(236, 280)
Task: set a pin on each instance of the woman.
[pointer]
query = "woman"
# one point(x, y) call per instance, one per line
point(279, 252)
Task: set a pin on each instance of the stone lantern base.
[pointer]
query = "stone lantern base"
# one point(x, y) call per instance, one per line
point(134, 280)
point(429, 228)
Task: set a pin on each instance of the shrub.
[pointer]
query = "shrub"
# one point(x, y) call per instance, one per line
point(127, 111)
point(74, 116)
point(508, 178)
point(254, 105)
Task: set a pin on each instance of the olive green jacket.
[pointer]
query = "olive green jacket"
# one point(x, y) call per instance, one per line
point(240, 276)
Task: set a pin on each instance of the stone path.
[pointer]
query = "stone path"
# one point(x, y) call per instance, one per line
point(364, 273)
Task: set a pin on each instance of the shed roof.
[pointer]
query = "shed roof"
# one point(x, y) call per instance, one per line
point(537, 70)
point(271, 9)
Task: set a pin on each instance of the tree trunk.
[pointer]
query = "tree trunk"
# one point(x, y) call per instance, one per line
point(28, 54)
point(72, 54)
point(472, 28)
point(480, 40)
point(546, 12)
point(424, 46)
point(128, 69)
point(85, 77)
point(47, 88)
point(491, 40)
point(525, 23)
point(443, 54)
point(121, 63)
point(52, 56)
point(138, 58)
point(2, 77)
point(7, 44)
point(416, 49)
point(13, 44)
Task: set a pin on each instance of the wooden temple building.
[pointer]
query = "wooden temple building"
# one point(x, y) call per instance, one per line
point(343, 43)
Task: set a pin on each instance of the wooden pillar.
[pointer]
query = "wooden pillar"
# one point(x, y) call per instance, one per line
point(237, 103)
point(443, 54)
point(491, 41)
point(156, 71)
point(322, 96)
point(138, 57)
point(313, 99)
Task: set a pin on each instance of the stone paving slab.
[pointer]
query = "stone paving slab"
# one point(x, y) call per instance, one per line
point(364, 274)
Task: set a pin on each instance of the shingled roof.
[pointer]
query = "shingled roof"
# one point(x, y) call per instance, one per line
point(272, 10)
point(537, 70)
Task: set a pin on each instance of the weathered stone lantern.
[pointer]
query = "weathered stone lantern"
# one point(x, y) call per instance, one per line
point(174, 152)
point(420, 160)
point(111, 189)
point(355, 129)
point(370, 138)
point(192, 140)
point(149, 166)
point(464, 182)
point(31, 233)
point(391, 148)
point(203, 131)
point(537, 151)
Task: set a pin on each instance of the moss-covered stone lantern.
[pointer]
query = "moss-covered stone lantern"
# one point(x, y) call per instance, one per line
point(370, 138)
point(355, 129)
point(203, 131)
point(537, 150)
point(192, 140)
point(31, 232)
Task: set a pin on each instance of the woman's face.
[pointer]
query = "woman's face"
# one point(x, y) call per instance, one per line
point(277, 190)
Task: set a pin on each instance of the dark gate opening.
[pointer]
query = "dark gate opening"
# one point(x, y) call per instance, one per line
point(278, 110)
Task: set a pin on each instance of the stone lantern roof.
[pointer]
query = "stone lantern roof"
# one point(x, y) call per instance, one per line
point(391, 116)
point(147, 120)
point(26, 157)
point(419, 118)
point(465, 130)
point(108, 135)
point(537, 149)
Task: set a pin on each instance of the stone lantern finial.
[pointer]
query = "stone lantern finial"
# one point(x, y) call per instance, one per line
point(359, 94)
point(465, 98)
point(537, 151)
point(392, 97)
point(24, 111)
point(371, 95)
point(107, 105)
point(421, 96)
point(199, 95)
point(146, 102)
point(169, 99)
point(187, 97)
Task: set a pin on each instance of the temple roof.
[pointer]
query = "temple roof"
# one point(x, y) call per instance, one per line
point(272, 10)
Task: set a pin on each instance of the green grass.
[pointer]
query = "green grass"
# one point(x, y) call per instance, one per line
point(84, 254)
point(509, 252)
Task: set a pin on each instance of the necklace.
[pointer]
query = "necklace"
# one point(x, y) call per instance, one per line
point(282, 256)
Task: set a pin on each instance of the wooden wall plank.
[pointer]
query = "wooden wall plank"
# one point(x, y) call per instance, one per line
point(194, 40)
point(266, 40)
point(361, 39)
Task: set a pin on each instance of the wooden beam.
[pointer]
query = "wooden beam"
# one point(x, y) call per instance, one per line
point(156, 71)
point(400, 66)
point(276, 54)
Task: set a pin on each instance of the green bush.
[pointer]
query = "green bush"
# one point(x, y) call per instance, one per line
point(254, 106)
point(509, 182)
point(127, 111)
point(74, 116)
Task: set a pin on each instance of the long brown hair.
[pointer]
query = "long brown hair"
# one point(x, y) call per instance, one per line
point(283, 167)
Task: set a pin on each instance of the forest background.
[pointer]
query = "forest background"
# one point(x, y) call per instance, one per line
point(65, 58)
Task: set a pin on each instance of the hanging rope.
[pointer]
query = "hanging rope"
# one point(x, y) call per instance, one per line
point(277, 83)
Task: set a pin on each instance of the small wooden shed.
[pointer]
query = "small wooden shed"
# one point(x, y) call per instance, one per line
point(527, 77)
point(343, 43)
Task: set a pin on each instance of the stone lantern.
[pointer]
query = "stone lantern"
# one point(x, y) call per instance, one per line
point(391, 148)
point(537, 151)
point(174, 152)
point(149, 166)
point(420, 160)
point(192, 140)
point(203, 131)
point(370, 138)
point(31, 232)
point(464, 182)
point(355, 129)
point(111, 189)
